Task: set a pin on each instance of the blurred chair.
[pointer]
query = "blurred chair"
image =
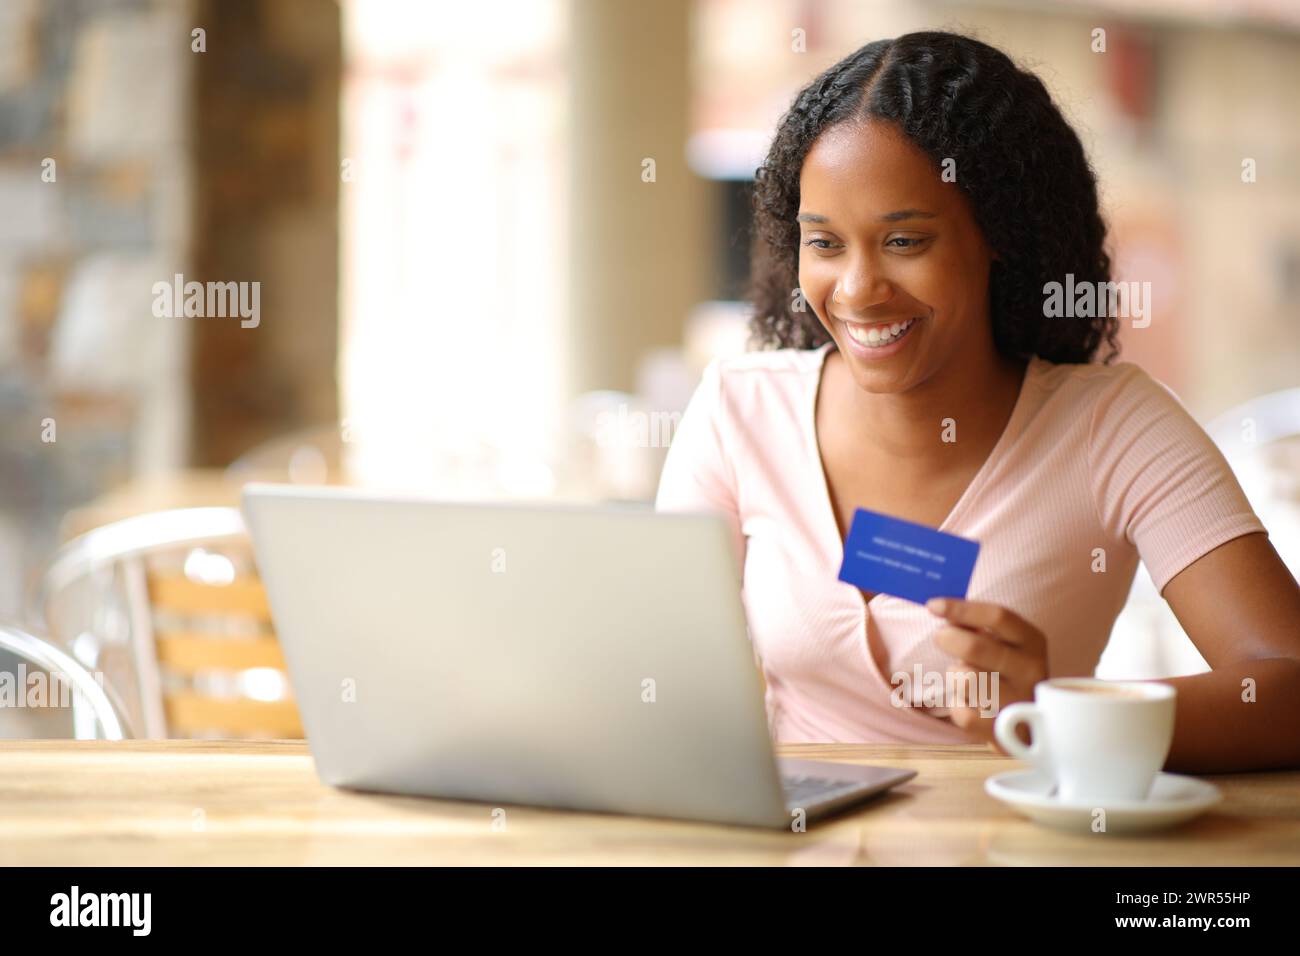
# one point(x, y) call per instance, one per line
point(1257, 422)
point(169, 608)
point(69, 687)
point(1261, 440)
point(312, 456)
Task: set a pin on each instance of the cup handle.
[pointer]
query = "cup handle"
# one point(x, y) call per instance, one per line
point(1004, 728)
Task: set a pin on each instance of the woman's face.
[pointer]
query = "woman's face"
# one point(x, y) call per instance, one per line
point(885, 241)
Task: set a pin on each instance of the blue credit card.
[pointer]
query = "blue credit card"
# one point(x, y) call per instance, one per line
point(887, 555)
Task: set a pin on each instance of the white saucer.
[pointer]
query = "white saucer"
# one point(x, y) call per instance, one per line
point(1174, 799)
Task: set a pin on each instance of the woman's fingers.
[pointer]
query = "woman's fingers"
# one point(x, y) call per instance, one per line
point(994, 638)
point(994, 643)
point(979, 651)
point(1004, 622)
point(974, 708)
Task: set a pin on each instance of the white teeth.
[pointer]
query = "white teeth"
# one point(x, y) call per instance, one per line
point(876, 337)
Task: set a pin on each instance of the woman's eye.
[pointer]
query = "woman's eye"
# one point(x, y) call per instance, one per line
point(813, 243)
point(904, 242)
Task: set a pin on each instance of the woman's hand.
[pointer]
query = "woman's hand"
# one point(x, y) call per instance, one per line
point(988, 640)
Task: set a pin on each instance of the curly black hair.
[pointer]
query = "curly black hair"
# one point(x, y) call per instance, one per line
point(1019, 163)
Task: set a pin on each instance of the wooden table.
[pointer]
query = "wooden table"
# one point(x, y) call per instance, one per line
point(216, 803)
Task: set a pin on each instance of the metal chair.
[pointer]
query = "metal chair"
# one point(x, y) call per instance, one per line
point(1272, 417)
point(169, 607)
point(94, 716)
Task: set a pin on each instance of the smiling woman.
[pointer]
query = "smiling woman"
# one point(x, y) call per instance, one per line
point(917, 200)
point(996, 145)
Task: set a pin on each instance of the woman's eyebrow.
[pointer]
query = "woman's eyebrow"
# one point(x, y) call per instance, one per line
point(897, 215)
point(901, 214)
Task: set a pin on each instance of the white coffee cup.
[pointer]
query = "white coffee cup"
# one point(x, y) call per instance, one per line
point(1097, 739)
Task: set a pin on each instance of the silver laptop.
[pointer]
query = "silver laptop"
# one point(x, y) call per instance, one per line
point(583, 657)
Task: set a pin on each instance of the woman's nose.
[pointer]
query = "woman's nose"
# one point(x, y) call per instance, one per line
point(862, 289)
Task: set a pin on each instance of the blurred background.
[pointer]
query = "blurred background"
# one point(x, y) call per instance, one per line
point(495, 244)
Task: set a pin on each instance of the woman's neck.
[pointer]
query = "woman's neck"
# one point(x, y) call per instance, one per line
point(955, 414)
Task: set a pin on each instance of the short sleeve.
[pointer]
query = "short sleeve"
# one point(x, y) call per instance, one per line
point(1158, 479)
point(697, 473)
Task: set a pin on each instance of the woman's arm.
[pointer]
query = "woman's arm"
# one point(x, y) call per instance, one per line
point(1161, 482)
point(1241, 607)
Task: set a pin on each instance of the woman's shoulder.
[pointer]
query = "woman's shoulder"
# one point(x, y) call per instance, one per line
point(1118, 388)
point(1087, 374)
point(767, 387)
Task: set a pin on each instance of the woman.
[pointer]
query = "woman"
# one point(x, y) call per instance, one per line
point(917, 202)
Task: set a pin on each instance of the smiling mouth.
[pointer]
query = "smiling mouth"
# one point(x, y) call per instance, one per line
point(879, 335)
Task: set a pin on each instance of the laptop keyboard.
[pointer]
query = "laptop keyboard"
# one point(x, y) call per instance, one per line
point(805, 791)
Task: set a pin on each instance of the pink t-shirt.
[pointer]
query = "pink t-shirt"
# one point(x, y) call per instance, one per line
point(1096, 463)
